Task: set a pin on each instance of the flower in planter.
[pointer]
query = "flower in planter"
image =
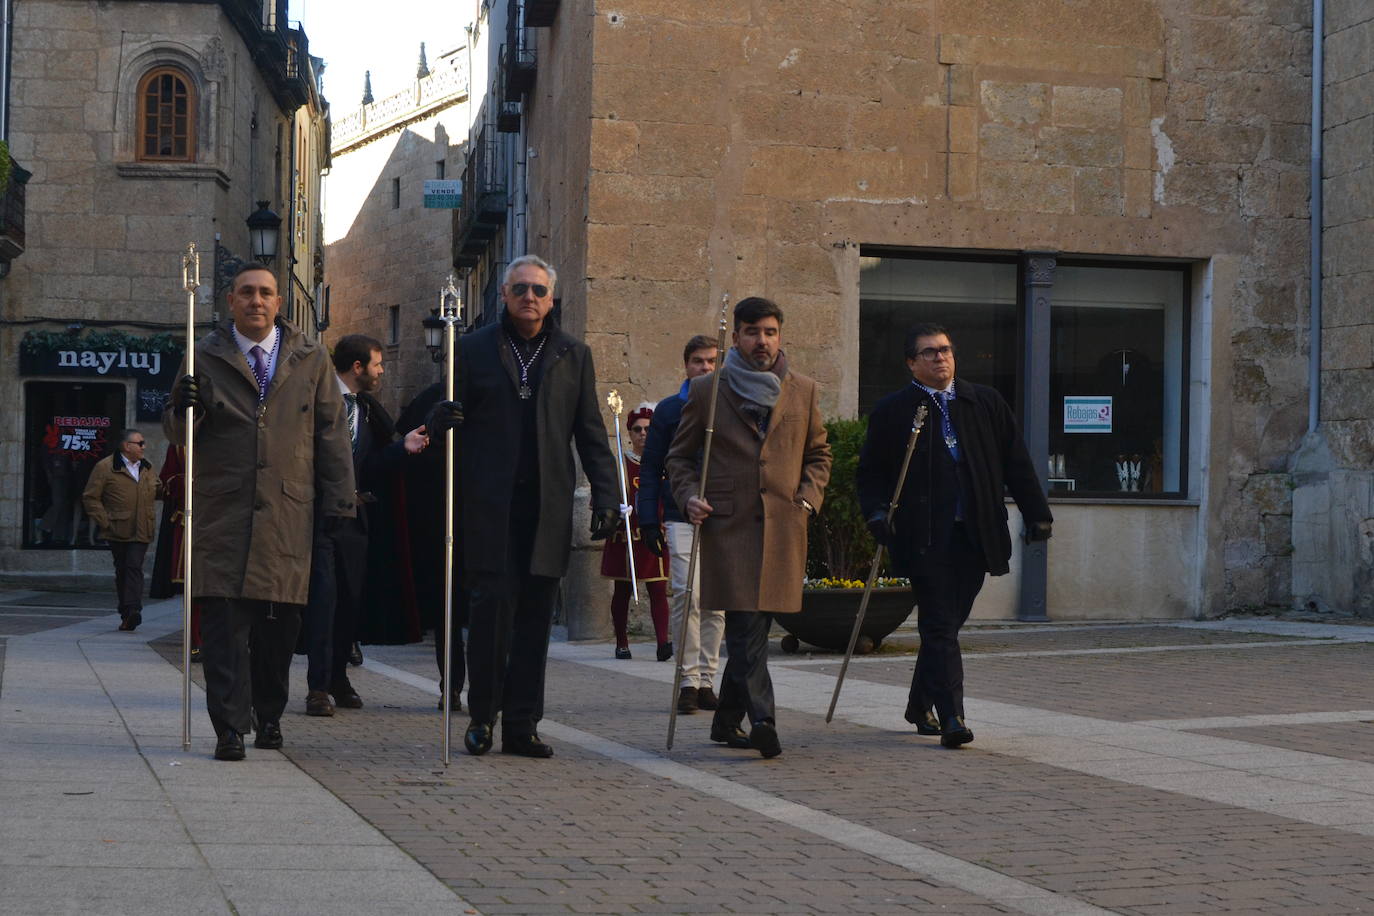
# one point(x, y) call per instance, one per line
point(833, 582)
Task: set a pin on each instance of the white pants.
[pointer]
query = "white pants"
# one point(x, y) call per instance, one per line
point(701, 649)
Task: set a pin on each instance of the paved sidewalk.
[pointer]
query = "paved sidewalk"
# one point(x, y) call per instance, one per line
point(1174, 767)
point(104, 813)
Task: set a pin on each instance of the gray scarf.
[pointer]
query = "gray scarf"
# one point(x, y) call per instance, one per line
point(758, 388)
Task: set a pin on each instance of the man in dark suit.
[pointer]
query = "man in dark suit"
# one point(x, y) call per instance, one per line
point(339, 556)
point(950, 527)
point(527, 394)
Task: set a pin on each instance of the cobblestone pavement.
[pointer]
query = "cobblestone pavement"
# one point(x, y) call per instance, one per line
point(1196, 767)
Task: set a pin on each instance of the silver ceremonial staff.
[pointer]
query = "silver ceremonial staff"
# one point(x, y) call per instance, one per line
point(696, 529)
point(190, 281)
point(450, 313)
point(917, 423)
point(617, 406)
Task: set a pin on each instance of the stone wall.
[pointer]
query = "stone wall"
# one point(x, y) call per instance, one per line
point(105, 233)
point(1333, 503)
point(752, 148)
point(379, 256)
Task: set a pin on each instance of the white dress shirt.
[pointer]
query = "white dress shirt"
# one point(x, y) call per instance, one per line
point(132, 466)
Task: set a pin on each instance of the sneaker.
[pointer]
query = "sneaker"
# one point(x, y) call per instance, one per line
point(622, 652)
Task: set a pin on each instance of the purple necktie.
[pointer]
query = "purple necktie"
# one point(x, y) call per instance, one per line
point(260, 370)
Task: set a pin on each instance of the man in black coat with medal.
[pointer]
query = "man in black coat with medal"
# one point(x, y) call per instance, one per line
point(526, 393)
point(950, 527)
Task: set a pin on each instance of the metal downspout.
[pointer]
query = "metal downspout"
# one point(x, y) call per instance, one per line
point(1314, 361)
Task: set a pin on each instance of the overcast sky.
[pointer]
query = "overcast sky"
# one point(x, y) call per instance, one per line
point(358, 35)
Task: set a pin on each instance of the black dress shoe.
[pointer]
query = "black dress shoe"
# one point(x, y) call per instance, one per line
point(355, 658)
point(665, 651)
point(622, 652)
point(477, 739)
point(955, 732)
point(525, 746)
point(268, 736)
point(229, 746)
point(125, 624)
point(195, 655)
point(923, 719)
point(764, 739)
point(729, 735)
point(707, 699)
point(687, 701)
point(346, 697)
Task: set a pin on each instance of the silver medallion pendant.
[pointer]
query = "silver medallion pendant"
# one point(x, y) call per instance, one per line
point(951, 442)
point(525, 392)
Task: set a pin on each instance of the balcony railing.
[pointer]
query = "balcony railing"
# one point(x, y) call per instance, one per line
point(541, 13)
point(12, 216)
point(443, 85)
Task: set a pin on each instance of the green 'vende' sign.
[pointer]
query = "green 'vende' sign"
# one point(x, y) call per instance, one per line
point(443, 194)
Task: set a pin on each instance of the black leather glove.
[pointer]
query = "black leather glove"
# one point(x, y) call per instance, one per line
point(603, 523)
point(1040, 531)
point(190, 391)
point(880, 529)
point(444, 416)
point(333, 524)
point(653, 538)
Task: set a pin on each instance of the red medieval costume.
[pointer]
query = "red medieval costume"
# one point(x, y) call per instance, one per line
point(651, 570)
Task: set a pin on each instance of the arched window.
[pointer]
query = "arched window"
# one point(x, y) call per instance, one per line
point(166, 117)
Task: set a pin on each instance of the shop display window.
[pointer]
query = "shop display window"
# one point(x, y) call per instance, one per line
point(68, 427)
point(1117, 413)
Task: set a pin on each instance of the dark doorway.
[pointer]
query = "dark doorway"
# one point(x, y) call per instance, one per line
point(68, 426)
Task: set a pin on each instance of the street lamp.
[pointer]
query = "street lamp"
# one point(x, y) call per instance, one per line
point(434, 335)
point(264, 228)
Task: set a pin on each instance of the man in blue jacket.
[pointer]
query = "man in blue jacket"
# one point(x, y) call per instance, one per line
point(701, 644)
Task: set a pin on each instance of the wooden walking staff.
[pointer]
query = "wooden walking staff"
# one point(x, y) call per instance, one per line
point(696, 529)
point(917, 423)
point(617, 406)
point(450, 313)
point(190, 281)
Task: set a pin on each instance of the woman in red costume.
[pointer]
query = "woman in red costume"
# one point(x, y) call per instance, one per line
point(650, 569)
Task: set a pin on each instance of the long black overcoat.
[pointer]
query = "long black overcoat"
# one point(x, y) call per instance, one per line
point(996, 456)
point(567, 414)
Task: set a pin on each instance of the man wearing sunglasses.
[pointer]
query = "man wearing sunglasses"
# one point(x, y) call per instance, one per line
point(119, 498)
point(950, 527)
point(526, 396)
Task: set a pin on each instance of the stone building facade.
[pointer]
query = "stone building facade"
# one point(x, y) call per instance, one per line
point(1333, 473)
point(146, 126)
point(388, 253)
point(1137, 178)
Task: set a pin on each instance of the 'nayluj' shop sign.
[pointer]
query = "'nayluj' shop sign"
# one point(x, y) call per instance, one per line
point(150, 360)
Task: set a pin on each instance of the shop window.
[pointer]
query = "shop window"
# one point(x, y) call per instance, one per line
point(67, 428)
point(1117, 412)
point(167, 106)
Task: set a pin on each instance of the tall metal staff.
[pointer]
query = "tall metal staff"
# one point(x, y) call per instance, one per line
point(450, 313)
point(190, 281)
point(916, 424)
point(617, 405)
point(696, 529)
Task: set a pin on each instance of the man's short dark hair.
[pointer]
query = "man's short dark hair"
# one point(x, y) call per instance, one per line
point(355, 348)
point(754, 309)
point(129, 434)
point(243, 268)
point(700, 342)
point(923, 330)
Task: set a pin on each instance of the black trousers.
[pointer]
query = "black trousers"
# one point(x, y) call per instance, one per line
point(246, 649)
point(746, 688)
point(944, 585)
point(510, 615)
point(338, 568)
point(128, 566)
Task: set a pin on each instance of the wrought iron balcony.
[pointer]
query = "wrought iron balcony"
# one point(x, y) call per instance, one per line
point(520, 67)
point(12, 216)
point(508, 118)
point(540, 13)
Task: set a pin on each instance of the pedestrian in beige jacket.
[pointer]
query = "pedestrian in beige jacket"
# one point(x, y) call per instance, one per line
point(770, 463)
point(119, 498)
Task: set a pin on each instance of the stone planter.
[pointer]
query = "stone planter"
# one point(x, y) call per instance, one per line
point(827, 617)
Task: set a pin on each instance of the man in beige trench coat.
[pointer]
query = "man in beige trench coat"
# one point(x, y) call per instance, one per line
point(770, 463)
point(272, 445)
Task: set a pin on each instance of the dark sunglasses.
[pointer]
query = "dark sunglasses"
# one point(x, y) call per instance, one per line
point(640, 429)
point(519, 289)
point(137, 442)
